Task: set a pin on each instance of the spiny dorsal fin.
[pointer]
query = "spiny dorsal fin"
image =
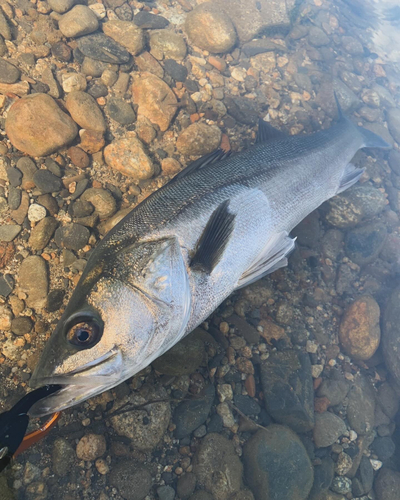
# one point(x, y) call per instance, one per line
point(214, 239)
point(208, 159)
point(266, 132)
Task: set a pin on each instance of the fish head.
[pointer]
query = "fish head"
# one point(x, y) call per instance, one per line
point(126, 311)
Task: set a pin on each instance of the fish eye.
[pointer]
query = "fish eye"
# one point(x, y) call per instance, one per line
point(85, 334)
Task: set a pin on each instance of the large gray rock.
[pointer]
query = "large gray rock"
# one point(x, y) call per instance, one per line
point(387, 485)
point(288, 389)
point(277, 466)
point(391, 334)
point(328, 428)
point(361, 406)
point(189, 415)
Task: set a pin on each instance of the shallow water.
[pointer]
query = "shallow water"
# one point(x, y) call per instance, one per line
point(291, 389)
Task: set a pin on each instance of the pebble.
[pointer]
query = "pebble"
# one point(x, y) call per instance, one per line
point(394, 161)
point(79, 157)
point(80, 20)
point(210, 29)
point(182, 359)
point(61, 6)
point(323, 477)
point(109, 77)
point(21, 212)
point(146, 20)
point(288, 389)
point(170, 166)
point(120, 111)
point(328, 428)
point(42, 232)
point(5, 318)
point(8, 232)
point(132, 481)
point(199, 139)
point(388, 400)
point(8, 72)
point(103, 202)
point(129, 157)
point(341, 485)
point(21, 325)
point(63, 457)
point(5, 30)
point(61, 51)
point(36, 212)
point(317, 37)
point(335, 388)
point(393, 120)
point(362, 483)
point(73, 82)
point(217, 467)
point(387, 484)
point(55, 300)
point(94, 67)
point(47, 182)
point(166, 44)
point(91, 446)
point(364, 244)
point(224, 411)
point(37, 126)
point(85, 111)
point(186, 485)
point(382, 447)
point(147, 63)
point(166, 493)
point(360, 332)
point(361, 406)
point(126, 33)
point(155, 99)
point(277, 465)
point(6, 285)
point(102, 47)
point(91, 141)
point(14, 176)
point(34, 281)
point(246, 404)
point(72, 236)
point(175, 70)
point(242, 110)
point(191, 414)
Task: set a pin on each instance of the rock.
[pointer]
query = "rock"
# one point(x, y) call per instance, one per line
point(98, 89)
point(79, 21)
point(328, 428)
point(348, 100)
point(308, 232)
point(186, 485)
point(361, 406)
point(210, 29)
point(37, 126)
point(6, 253)
point(364, 244)
point(189, 415)
point(341, 485)
point(14, 198)
point(201, 495)
point(360, 333)
point(102, 200)
point(394, 161)
point(166, 44)
point(323, 477)
point(391, 335)
point(61, 6)
point(175, 70)
point(261, 45)
point(393, 120)
point(128, 156)
point(242, 109)
point(103, 48)
point(85, 111)
point(6, 285)
point(353, 206)
point(246, 404)
point(61, 51)
point(383, 447)
point(14, 176)
point(36, 212)
point(55, 300)
point(387, 484)
point(155, 99)
point(47, 182)
point(288, 389)
point(335, 388)
point(91, 141)
point(126, 33)
point(79, 157)
point(63, 457)
point(34, 281)
point(362, 483)
point(42, 232)
point(166, 493)
point(146, 20)
point(217, 467)
point(170, 166)
point(317, 37)
point(133, 481)
point(5, 318)
point(388, 400)
point(5, 30)
point(147, 63)
point(72, 82)
point(8, 72)
point(199, 139)
point(277, 465)
point(352, 46)
point(94, 67)
point(144, 427)
point(91, 446)
point(120, 111)
point(8, 232)
point(182, 359)
point(72, 236)
point(21, 325)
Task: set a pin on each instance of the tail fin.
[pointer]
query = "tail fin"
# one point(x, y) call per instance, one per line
point(372, 140)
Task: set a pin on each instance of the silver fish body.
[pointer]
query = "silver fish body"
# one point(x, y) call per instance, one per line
point(170, 262)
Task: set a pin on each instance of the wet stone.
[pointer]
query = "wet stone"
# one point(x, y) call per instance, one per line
point(21, 325)
point(317, 37)
point(91, 446)
point(288, 389)
point(8, 72)
point(242, 110)
point(364, 244)
point(103, 48)
point(72, 236)
point(131, 480)
point(352, 46)
point(61, 6)
point(341, 485)
point(14, 198)
point(323, 477)
point(33, 279)
point(146, 20)
point(79, 157)
point(246, 404)
point(61, 51)
point(6, 285)
point(328, 428)
point(42, 232)
point(63, 456)
point(388, 399)
point(97, 89)
point(361, 406)
point(199, 139)
point(85, 111)
point(28, 169)
point(80, 20)
point(120, 111)
point(362, 483)
point(166, 493)
point(186, 485)
point(387, 484)
point(383, 447)
point(277, 465)
point(103, 202)
point(175, 70)
point(189, 415)
point(129, 157)
point(126, 33)
point(55, 300)
point(9, 231)
point(167, 44)
point(335, 389)
point(47, 182)
point(261, 45)
point(182, 359)
point(14, 176)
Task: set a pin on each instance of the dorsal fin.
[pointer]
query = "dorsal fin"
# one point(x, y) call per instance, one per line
point(214, 238)
point(208, 159)
point(266, 132)
point(339, 107)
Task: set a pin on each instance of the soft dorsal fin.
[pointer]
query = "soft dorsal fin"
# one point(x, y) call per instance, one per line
point(266, 132)
point(214, 238)
point(208, 159)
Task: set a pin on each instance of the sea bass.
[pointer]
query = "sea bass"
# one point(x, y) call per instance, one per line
point(219, 225)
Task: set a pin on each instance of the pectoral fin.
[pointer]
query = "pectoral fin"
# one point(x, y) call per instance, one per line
point(350, 176)
point(272, 258)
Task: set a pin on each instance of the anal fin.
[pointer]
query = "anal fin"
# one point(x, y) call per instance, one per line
point(273, 257)
point(214, 238)
point(350, 176)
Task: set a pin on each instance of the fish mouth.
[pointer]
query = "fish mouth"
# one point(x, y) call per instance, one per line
point(80, 384)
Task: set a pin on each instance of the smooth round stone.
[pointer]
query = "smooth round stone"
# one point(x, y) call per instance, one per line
point(33, 280)
point(191, 414)
point(8, 72)
point(36, 212)
point(129, 157)
point(210, 28)
point(391, 335)
point(14, 176)
point(61, 6)
point(21, 325)
point(361, 406)
point(120, 111)
point(47, 182)
point(63, 456)
point(85, 111)
point(359, 331)
point(364, 244)
point(387, 484)
point(317, 37)
point(73, 82)
point(79, 157)
point(175, 70)
point(126, 33)
point(42, 232)
point(199, 139)
point(166, 44)
point(103, 48)
point(79, 21)
point(146, 20)
point(328, 428)
point(61, 51)
point(393, 119)
point(9, 231)
point(102, 200)
point(91, 446)
point(182, 359)
point(72, 236)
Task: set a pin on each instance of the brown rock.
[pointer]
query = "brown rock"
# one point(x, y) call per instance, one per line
point(360, 332)
point(38, 127)
point(126, 33)
point(145, 130)
point(210, 28)
point(22, 211)
point(91, 141)
point(146, 62)
point(78, 157)
point(166, 44)
point(91, 446)
point(156, 100)
point(199, 139)
point(7, 251)
point(42, 232)
point(170, 166)
point(20, 88)
point(128, 156)
point(85, 111)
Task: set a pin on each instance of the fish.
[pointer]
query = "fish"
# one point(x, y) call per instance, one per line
point(219, 225)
